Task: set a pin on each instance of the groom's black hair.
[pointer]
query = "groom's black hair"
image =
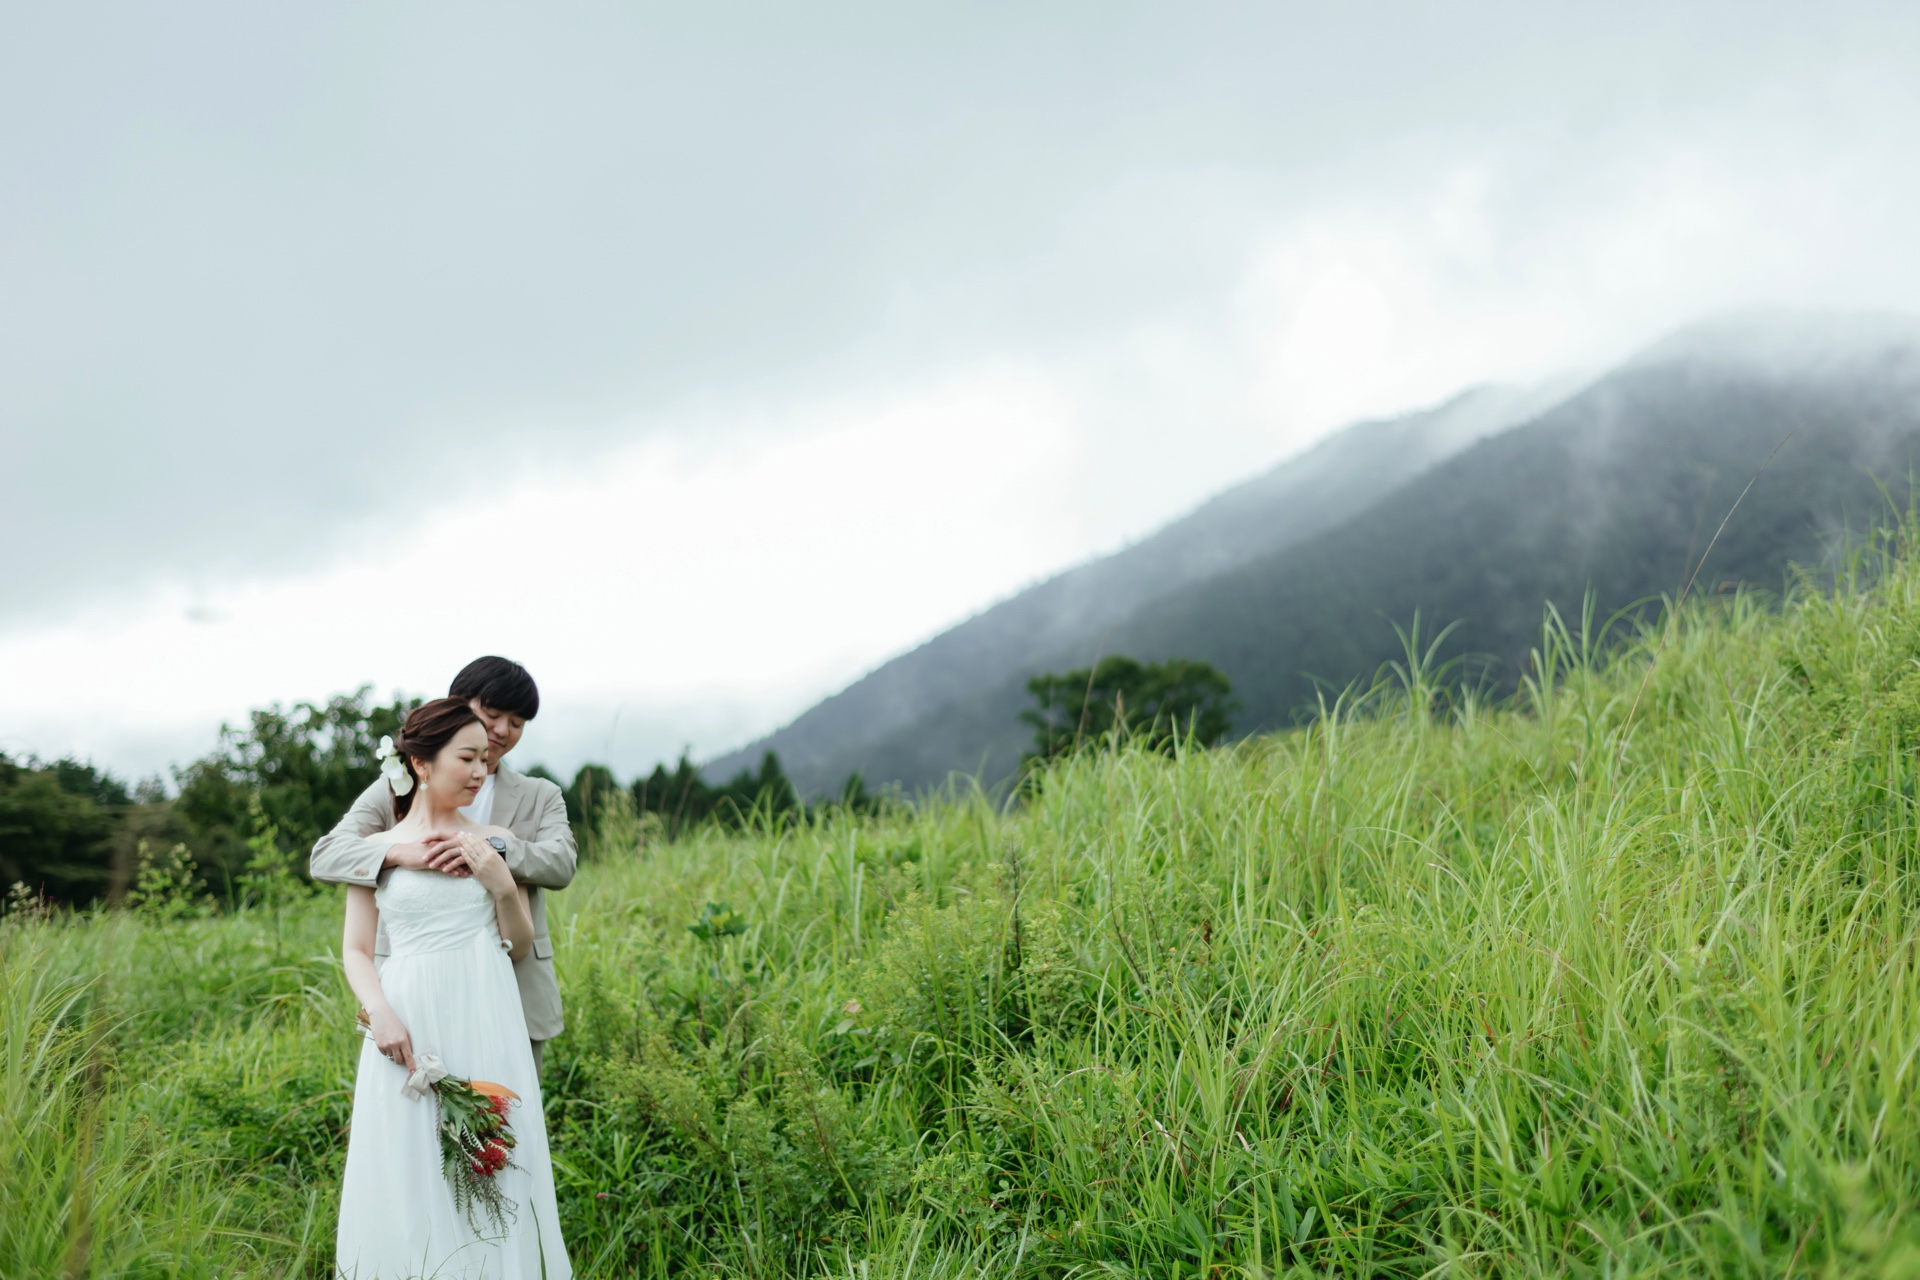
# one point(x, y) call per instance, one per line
point(500, 683)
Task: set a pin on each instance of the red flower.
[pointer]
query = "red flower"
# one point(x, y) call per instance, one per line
point(490, 1159)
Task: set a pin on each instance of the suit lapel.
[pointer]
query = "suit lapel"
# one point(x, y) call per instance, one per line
point(506, 796)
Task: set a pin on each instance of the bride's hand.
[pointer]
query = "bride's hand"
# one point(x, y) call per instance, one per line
point(488, 867)
point(391, 1039)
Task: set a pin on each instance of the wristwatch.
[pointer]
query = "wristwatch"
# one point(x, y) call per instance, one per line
point(497, 843)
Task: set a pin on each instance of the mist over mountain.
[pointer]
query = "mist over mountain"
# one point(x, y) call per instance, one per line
point(1478, 512)
point(1069, 613)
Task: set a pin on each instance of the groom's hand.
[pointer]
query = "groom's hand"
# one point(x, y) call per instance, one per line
point(439, 851)
point(443, 854)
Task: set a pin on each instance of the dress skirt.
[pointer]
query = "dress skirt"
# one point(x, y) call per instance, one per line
point(397, 1215)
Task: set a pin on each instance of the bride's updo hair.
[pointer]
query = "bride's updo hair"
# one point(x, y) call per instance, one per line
point(428, 729)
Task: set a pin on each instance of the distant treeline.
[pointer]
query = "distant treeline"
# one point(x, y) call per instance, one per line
point(1155, 702)
point(680, 800)
point(73, 833)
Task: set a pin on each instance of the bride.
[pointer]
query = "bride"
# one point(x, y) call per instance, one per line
point(443, 1000)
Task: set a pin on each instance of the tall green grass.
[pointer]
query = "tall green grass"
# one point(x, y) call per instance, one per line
point(1621, 977)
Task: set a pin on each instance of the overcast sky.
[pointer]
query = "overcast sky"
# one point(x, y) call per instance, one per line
point(704, 356)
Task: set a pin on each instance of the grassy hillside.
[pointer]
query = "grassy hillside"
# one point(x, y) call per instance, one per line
point(1621, 979)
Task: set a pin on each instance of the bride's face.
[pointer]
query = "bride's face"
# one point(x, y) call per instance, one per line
point(454, 776)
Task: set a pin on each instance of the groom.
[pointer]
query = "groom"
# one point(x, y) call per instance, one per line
point(540, 854)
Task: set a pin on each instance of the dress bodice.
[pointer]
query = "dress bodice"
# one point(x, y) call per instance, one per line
point(426, 911)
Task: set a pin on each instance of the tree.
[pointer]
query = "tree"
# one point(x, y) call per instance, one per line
point(592, 784)
point(1155, 702)
point(57, 827)
point(681, 797)
point(854, 798)
point(305, 764)
point(684, 799)
point(769, 791)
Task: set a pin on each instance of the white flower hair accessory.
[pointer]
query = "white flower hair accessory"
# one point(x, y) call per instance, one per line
point(392, 767)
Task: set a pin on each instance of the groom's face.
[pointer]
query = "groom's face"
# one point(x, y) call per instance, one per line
point(503, 731)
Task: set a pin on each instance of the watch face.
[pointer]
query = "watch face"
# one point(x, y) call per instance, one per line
point(497, 843)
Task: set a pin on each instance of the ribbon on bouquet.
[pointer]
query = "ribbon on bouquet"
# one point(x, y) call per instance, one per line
point(427, 1068)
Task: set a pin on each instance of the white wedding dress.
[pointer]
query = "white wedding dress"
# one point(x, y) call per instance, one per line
point(451, 984)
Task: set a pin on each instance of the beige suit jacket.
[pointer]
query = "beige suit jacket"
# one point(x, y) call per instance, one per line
point(540, 854)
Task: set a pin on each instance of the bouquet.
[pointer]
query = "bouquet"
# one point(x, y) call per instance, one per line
point(475, 1140)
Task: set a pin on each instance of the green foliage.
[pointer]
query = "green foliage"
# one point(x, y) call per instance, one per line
point(1613, 980)
point(1155, 703)
point(160, 1120)
point(165, 885)
point(274, 875)
point(58, 824)
point(302, 767)
point(717, 920)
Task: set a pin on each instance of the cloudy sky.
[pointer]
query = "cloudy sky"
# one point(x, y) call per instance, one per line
point(703, 356)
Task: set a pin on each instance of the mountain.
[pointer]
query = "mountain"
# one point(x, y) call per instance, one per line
point(1476, 513)
point(1618, 490)
point(1070, 613)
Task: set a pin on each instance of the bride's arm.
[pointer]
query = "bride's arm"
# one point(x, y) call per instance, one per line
point(509, 899)
point(516, 922)
point(356, 957)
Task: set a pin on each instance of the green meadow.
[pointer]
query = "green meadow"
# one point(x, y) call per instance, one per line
point(1619, 976)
